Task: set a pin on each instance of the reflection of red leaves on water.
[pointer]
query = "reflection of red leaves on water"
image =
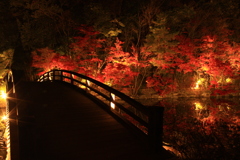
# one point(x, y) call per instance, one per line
point(211, 130)
point(213, 111)
point(236, 120)
point(208, 120)
point(223, 101)
point(182, 124)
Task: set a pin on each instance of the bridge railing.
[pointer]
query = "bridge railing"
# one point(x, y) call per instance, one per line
point(148, 121)
point(13, 151)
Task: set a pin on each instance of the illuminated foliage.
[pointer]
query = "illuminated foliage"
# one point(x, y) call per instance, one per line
point(87, 51)
point(168, 50)
point(118, 69)
point(46, 59)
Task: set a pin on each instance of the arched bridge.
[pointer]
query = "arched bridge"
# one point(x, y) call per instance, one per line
point(69, 116)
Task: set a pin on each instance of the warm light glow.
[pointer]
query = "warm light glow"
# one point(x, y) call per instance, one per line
point(111, 103)
point(228, 80)
point(4, 118)
point(172, 150)
point(108, 83)
point(4, 95)
point(205, 68)
point(82, 86)
point(198, 106)
point(198, 83)
point(88, 83)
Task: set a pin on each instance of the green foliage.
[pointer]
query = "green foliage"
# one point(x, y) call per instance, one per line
point(160, 39)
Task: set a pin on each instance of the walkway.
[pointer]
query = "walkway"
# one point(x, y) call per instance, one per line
point(59, 123)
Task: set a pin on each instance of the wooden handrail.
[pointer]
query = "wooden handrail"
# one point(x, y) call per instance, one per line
point(146, 120)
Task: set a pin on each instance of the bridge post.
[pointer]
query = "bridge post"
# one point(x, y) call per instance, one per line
point(56, 75)
point(61, 75)
point(72, 80)
point(49, 76)
point(155, 130)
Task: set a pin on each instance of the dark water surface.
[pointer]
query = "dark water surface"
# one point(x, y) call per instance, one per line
point(202, 128)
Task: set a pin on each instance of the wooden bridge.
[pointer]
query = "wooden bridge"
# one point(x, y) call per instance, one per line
point(68, 116)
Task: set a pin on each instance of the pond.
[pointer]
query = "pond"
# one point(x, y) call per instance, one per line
point(206, 128)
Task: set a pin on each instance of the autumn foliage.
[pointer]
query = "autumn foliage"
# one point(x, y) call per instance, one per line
point(211, 61)
point(188, 50)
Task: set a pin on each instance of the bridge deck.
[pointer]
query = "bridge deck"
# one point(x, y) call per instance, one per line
point(59, 123)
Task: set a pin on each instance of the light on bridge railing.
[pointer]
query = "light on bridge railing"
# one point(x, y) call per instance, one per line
point(113, 99)
point(88, 83)
point(82, 86)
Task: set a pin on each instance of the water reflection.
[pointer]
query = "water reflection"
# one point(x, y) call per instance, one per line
point(203, 128)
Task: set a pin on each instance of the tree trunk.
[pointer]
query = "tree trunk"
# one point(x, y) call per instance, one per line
point(12, 39)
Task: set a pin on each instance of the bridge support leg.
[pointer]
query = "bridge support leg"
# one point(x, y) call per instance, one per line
point(155, 131)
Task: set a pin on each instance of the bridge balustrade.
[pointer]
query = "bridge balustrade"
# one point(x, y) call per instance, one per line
point(147, 121)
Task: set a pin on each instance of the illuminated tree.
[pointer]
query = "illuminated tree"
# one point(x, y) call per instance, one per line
point(174, 49)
